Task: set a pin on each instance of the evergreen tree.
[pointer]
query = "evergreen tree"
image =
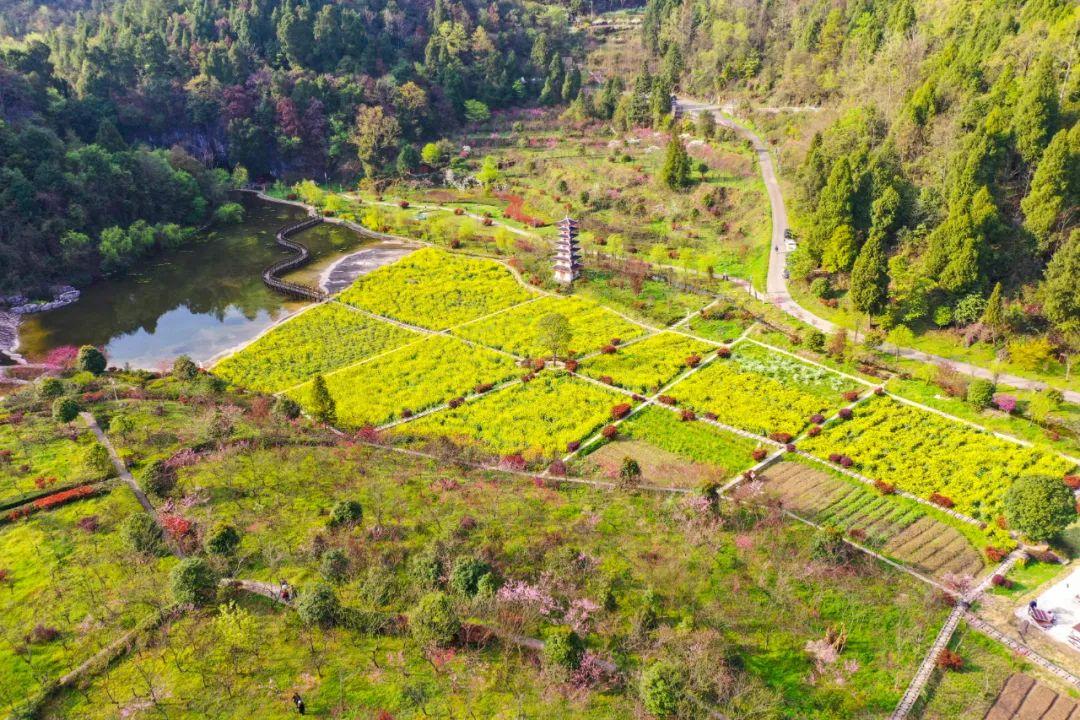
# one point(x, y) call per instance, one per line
point(323, 406)
point(1060, 290)
point(1036, 115)
point(706, 125)
point(869, 277)
point(834, 208)
point(993, 316)
point(1055, 189)
point(571, 86)
point(842, 249)
point(676, 170)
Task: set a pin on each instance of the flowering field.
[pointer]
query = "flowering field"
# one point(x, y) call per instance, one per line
point(412, 378)
point(750, 401)
point(321, 339)
point(646, 365)
point(592, 326)
point(35, 453)
point(790, 372)
point(537, 419)
point(70, 588)
point(436, 289)
point(924, 453)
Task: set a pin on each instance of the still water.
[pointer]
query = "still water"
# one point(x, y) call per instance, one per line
point(200, 300)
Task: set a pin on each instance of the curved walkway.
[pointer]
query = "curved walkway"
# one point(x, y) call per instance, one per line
point(776, 284)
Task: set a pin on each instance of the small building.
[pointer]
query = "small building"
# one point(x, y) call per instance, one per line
point(567, 252)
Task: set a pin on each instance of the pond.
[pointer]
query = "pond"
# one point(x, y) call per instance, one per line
point(200, 300)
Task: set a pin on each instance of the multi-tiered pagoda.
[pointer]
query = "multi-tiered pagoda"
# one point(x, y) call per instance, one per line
point(567, 252)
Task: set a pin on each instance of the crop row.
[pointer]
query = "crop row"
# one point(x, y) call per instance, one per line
point(321, 339)
point(924, 454)
point(789, 371)
point(436, 289)
point(592, 327)
point(537, 419)
point(411, 379)
point(648, 364)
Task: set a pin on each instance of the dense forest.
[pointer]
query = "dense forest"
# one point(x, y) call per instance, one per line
point(947, 179)
point(136, 112)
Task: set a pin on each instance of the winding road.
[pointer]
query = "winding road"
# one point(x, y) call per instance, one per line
point(776, 286)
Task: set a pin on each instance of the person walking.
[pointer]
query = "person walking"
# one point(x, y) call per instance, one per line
point(299, 703)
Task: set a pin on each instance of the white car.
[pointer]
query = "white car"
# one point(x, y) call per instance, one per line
point(790, 245)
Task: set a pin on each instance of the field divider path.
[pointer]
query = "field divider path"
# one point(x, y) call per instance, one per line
point(125, 475)
point(649, 401)
point(1020, 648)
point(929, 663)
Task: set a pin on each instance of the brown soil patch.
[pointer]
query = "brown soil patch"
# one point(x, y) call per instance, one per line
point(658, 466)
point(1022, 698)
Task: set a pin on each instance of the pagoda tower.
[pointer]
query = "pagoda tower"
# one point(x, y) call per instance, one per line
point(567, 252)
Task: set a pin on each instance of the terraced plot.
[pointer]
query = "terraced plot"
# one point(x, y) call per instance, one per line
point(436, 289)
point(1025, 699)
point(34, 451)
point(536, 419)
point(924, 453)
point(898, 527)
point(411, 379)
point(647, 364)
point(592, 326)
point(326, 337)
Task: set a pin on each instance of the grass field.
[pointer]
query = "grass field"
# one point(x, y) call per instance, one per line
point(36, 452)
point(69, 591)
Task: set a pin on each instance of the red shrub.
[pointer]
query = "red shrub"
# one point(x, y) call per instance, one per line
point(817, 418)
point(995, 554)
point(51, 501)
point(941, 500)
point(291, 196)
point(607, 380)
point(459, 211)
point(1043, 556)
point(1001, 581)
point(88, 524)
point(845, 413)
point(879, 390)
point(557, 468)
point(512, 462)
point(709, 416)
point(572, 365)
point(620, 411)
point(814, 431)
point(538, 364)
point(857, 534)
point(527, 377)
point(482, 388)
point(609, 431)
point(175, 525)
point(403, 204)
point(615, 341)
point(884, 488)
point(572, 446)
point(693, 361)
point(41, 482)
point(851, 395)
point(759, 453)
point(780, 437)
point(608, 349)
point(369, 434)
point(846, 462)
point(1073, 481)
point(456, 402)
point(949, 660)
point(687, 415)
point(790, 447)
point(406, 413)
point(638, 398)
point(667, 400)
point(723, 352)
point(1001, 522)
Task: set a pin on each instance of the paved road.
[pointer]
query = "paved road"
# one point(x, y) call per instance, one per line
point(776, 284)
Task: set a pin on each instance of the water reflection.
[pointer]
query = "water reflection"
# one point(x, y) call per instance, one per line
point(200, 300)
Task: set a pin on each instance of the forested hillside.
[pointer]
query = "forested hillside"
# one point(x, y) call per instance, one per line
point(945, 159)
point(302, 89)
